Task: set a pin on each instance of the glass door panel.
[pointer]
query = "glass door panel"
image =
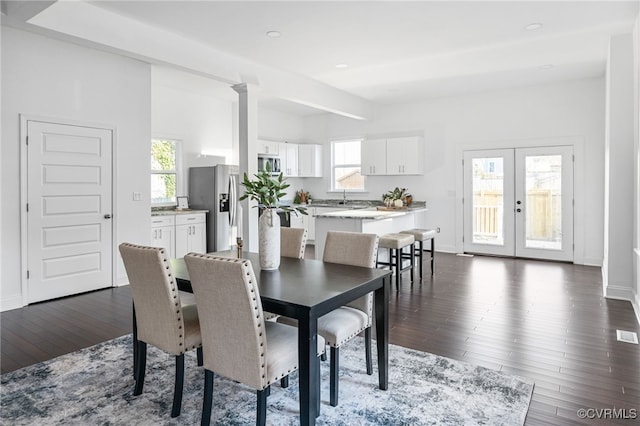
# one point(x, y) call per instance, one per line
point(488, 217)
point(544, 203)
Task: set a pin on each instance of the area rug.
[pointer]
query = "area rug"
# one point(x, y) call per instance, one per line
point(95, 386)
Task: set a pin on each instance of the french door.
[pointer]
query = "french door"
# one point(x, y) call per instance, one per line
point(519, 202)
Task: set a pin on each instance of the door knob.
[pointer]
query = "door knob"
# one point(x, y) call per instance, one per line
point(518, 202)
point(107, 216)
point(518, 210)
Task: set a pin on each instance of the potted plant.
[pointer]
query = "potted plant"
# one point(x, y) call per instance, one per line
point(267, 190)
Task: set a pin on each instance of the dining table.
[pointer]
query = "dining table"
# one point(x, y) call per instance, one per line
point(306, 289)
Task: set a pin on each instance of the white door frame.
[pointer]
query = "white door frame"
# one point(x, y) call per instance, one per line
point(579, 190)
point(24, 247)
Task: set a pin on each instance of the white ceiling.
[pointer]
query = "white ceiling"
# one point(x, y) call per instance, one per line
point(402, 51)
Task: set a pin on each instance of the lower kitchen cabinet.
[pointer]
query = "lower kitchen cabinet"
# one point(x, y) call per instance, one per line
point(191, 235)
point(163, 233)
point(179, 234)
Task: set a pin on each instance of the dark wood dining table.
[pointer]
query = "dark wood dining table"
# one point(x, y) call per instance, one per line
point(306, 289)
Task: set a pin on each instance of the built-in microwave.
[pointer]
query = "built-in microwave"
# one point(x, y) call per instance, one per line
point(272, 160)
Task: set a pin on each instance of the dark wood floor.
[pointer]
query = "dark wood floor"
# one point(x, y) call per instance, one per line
point(542, 320)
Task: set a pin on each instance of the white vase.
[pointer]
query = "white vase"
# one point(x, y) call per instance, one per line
point(269, 240)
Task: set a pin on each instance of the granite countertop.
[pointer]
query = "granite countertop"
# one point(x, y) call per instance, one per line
point(176, 212)
point(371, 213)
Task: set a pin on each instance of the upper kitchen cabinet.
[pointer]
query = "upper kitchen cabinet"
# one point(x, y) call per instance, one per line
point(288, 153)
point(310, 160)
point(393, 156)
point(374, 157)
point(268, 147)
point(405, 156)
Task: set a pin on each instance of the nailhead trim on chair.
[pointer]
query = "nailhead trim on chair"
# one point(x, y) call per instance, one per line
point(245, 265)
point(174, 290)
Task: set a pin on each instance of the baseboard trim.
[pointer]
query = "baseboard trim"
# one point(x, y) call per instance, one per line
point(10, 303)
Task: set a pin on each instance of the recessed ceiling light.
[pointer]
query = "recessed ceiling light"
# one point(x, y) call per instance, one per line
point(533, 26)
point(546, 66)
point(273, 34)
point(342, 65)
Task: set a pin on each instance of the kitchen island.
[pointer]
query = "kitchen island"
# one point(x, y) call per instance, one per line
point(368, 220)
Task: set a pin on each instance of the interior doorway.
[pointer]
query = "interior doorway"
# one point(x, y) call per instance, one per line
point(519, 202)
point(67, 227)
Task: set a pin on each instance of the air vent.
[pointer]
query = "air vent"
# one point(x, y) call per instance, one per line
point(627, 336)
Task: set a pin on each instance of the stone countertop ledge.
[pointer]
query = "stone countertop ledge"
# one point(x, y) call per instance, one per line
point(176, 212)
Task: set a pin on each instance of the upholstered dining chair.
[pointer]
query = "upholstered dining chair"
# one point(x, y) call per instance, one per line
point(237, 342)
point(342, 324)
point(293, 242)
point(160, 318)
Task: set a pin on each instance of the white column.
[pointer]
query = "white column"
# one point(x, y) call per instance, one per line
point(248, 158)
point(618, 193)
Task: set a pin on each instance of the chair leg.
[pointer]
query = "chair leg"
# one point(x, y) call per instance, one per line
point(333, 374)
point(418, 254)
point(141, 362)
point(200, 356)
point(284, 382)
point(412, 250)
point(261, 414)
point(367, 348)
point(433, 253)
point(208, 398)
point(177, 389)
point(323, 356)
point(398, 269)
point(135, 342)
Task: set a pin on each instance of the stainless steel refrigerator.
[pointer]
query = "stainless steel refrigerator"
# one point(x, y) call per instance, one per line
point(215, 189)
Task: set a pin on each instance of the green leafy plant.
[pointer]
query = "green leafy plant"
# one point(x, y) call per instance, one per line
point(267, 191)
point(396, 194)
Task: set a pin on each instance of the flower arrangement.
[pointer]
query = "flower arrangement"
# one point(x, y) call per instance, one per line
point(397, 198)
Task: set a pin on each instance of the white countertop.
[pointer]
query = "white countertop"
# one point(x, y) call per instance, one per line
point(176, 212)
point(369, 214)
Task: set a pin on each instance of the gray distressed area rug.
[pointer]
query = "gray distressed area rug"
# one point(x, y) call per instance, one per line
point(95, 386)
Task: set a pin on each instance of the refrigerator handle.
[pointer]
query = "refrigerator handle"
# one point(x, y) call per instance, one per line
point(233, 200)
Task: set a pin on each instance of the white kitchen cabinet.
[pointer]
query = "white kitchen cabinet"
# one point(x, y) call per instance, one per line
point(163, 233)
point(191, 234)
point(405, 156)
point(288, 153)
point(373, 156)
point(310, 160)
point(268, 147)
point(393, 156)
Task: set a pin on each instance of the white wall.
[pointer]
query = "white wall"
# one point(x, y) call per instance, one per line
point(618, 221)
point(45, 77)
point(525, 116)
point(283, 127)
point(202, 121)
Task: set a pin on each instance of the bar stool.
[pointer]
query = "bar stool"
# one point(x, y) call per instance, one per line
point(422, 235)
point(396, 244)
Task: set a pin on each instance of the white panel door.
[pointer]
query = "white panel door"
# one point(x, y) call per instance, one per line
point(519, 202)
point(69, 196)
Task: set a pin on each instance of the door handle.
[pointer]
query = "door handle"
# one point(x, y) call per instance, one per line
point(107, 216)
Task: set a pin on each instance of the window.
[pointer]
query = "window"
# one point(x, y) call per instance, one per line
point(164, 171)
point(345, 165)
